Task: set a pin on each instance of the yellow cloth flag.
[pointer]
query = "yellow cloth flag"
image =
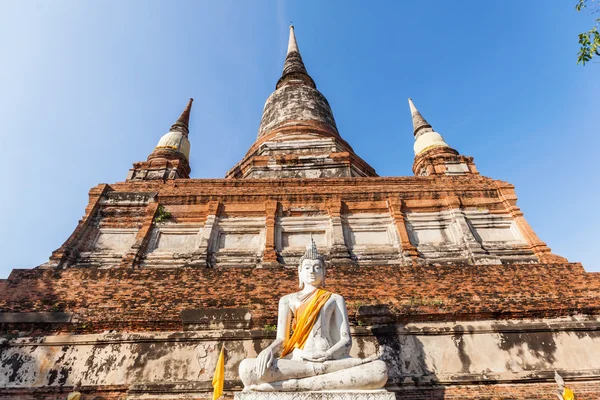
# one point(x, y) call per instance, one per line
point(568, 394)
point(306, 315)
point(219, 377)
point(74, 396)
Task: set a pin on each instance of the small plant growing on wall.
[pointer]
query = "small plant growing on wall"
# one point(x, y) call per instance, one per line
point(162, 214)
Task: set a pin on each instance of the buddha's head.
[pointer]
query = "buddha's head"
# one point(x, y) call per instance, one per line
point(311, 270)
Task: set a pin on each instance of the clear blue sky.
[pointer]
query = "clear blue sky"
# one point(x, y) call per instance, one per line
point(88, 87)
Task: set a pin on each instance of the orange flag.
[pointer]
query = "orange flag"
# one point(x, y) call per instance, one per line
point(219, 376)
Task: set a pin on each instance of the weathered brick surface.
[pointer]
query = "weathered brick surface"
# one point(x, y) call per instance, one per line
point(152, 299)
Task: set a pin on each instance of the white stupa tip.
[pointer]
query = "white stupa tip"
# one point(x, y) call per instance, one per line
point(413, 109)
point(292, 45)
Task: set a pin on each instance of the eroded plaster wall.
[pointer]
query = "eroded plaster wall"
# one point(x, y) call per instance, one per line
point(416, 353)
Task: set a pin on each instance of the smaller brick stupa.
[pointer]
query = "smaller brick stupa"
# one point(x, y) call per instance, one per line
point(433, 156)
point(171, 157)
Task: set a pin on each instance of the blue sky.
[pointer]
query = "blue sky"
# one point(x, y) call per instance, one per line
point(88, 87)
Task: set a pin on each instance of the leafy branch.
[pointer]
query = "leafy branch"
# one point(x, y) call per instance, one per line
point(590, 40)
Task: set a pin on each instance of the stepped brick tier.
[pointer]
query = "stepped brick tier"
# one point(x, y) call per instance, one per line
point(361, 221)
point(441, 273)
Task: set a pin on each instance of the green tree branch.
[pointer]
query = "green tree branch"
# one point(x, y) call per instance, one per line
point(590, 40)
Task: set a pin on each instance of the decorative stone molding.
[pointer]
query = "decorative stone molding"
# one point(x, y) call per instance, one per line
point(293, 233)
point(338, 252)
point(409, 251)
point(173, 244)
point(142, 238)
point(270, 255)
point(204, 256)
point(238, 241)
point(372, 238)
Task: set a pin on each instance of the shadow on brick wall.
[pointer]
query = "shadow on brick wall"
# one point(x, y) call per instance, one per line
point(410, 377)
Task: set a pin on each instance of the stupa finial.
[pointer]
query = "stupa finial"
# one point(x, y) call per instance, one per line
point(419, 123)
point(292, 44)
point(294, 66)
point(182, 123)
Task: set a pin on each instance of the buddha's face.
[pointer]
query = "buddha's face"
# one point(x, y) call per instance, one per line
point(312, 273)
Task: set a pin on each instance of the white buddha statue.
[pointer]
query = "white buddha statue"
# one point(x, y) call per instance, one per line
point(315, 356)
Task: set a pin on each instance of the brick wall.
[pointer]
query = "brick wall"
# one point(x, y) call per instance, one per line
point(152, 299)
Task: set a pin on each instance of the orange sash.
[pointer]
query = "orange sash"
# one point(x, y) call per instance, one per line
point(305, 315)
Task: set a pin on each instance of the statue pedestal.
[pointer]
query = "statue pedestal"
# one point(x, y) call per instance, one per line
point(334, 395)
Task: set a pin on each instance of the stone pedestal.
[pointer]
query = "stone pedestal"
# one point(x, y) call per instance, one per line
point(337, 395)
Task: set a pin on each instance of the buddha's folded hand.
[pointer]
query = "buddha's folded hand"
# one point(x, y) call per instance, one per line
point(319, 356)
point(263, 362)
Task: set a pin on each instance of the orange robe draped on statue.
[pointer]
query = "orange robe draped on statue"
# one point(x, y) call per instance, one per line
point(305, 317)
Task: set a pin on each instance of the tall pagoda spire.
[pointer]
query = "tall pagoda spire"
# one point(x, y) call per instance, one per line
point(170, 158)
point(293, 67)
point(433, 156)
point(297, 136)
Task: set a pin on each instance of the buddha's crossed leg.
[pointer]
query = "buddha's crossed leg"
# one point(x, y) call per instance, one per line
point(283, 374)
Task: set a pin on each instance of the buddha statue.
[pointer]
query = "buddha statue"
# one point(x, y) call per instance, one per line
point(315, 355)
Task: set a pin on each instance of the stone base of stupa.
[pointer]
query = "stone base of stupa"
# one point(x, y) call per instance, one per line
point(332, 395)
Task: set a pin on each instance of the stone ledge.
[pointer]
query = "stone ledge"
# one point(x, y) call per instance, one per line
point(334, 395)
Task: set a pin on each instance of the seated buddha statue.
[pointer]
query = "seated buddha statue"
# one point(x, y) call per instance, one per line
point(313, 342)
